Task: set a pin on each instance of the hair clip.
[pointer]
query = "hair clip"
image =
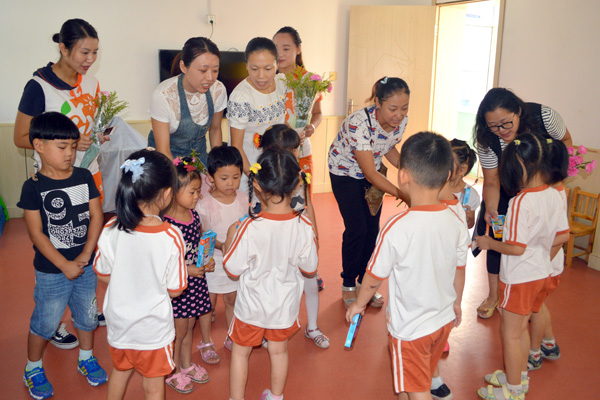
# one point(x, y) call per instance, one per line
point(255, 168)
point(135, 167)
point(176, 161)
point(384, 80)
point(256, 139)
point(517, 142)
point(306, 176)
point(549, 141)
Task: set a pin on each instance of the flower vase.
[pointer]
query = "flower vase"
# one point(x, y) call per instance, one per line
point(303, 105)
point(92, 152)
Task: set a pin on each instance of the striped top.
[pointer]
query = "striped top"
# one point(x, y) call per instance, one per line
point(553, 123)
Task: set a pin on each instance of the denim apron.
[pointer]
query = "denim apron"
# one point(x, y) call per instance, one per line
point(189, 135)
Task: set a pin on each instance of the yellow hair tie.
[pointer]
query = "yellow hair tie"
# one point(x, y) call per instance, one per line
point(517, 142)
point(255, 168)
point(549, 141)
point(307, 178)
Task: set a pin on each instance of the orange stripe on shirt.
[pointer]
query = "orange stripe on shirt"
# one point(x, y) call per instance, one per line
point(383, 232)
point(182, 267)
point(236, 240)
point(516, 207)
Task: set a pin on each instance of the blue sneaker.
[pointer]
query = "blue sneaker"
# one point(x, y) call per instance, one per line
point(92, 371)
point(550, 353)
point(37, 383)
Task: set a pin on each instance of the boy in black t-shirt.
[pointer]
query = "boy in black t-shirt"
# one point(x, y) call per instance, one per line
point(64, 219)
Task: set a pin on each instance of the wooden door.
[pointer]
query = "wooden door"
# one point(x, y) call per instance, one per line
point(394, 41)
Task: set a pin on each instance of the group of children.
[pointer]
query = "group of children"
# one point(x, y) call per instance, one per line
point(266, 258)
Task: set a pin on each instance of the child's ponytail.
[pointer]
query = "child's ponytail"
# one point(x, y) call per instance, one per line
point(254, 168)
point(525, 156)
point(145, 174)
point(557, 161)
point(464, 153)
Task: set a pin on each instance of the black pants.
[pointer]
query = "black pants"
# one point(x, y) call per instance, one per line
point(361, 228)
point(493, 257)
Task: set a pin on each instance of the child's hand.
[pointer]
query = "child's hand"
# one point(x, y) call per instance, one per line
point(73, 269)
point(458, 312)
point(353, 310)
point(483, 242)
point(210, 267)
point(195, 271)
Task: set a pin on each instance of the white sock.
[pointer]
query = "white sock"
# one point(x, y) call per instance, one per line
point(535, 353)
point(31, 365)
point(85, 354)
point(436, 382)
point(549, 343)
point(515, 389)
point(311, 297)
point(523, 376)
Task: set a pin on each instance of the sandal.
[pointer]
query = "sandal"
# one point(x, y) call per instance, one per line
point(501, 393)
point(208, 353)
point(319, 339)
point(195, 373)
point(351, 300)
point(498, 378)
point(228, 343)
point(265, 343)
point(485, 313)
point(180, 382)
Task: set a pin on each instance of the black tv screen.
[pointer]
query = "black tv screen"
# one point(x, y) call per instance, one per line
point(232, 67)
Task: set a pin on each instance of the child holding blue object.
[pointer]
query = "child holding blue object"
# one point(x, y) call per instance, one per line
point(464, 157)
point(64, 219)
point(141, 257)
point(268, 253)
point(194, 301)
point(423, 251)
point(535, 228)
point(220, 208)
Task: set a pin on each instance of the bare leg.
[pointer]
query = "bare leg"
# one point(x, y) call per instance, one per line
point(548, 332)
point(181, 332)
point(278, 354)
point(229, 301)
point(538, 326)
point(415, 396)
point(238, 371)
point(35, 347)
point(86, 339)
point(154, 388)
point(185, 359)
point(436, 373)
point(117, 384)
point(515, 345)
point(492, 297)
point(213, 300)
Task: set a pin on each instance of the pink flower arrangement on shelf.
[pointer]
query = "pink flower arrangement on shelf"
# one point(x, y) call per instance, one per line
point(576, 162)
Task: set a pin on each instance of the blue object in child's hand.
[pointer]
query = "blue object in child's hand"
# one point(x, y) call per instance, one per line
point(353, 330)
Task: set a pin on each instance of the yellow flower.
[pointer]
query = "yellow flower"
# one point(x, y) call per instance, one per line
point(255, 168)
point(308, 177)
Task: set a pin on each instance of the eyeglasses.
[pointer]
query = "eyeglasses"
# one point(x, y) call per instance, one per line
point(496, 128)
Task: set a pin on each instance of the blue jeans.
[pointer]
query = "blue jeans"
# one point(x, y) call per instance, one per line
point(52, 294)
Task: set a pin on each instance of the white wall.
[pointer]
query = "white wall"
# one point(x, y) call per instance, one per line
point(550, 55)
point(132, 31)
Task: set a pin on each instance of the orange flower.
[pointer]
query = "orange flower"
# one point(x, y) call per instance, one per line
point(256, 140)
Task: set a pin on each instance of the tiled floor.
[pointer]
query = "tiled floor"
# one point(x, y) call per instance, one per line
point(361, 373)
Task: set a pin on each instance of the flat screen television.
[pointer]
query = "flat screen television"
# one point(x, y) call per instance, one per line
point(232, 67)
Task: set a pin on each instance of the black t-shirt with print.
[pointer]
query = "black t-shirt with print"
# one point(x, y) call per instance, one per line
point(64, 207)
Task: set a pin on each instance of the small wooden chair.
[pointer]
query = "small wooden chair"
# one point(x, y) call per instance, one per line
point(583, 218)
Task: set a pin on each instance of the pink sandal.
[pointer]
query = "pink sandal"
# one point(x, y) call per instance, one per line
point(198, 375)
point(210, 356)
point(228, 343)
point(183, 381)
point(319, 339)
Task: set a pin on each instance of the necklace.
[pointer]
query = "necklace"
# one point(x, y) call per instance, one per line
point(153, 215)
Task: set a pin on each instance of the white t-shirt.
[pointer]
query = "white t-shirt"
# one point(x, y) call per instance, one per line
point(558, 262)
point(143, 266)
point(355, 134)
point(455, 206)
point(254, 112)
point(420, 250)
point(165, 105)
point(553, 123)
point(268, 255)
point(534, 217)
point(219, 217)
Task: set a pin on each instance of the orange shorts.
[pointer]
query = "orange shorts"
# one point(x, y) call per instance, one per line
point(248, 335)
point(98, 181)
point(414, 361)
point(523, 298)
point(307, 166)
point(554, 280)
point(149, 363)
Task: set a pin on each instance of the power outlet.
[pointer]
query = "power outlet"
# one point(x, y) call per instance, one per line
point(211, 19)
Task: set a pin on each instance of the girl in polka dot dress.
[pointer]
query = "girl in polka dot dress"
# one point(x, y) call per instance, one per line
point(194, 301)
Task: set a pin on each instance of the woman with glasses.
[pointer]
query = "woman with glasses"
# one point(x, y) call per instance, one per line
point(500, 118)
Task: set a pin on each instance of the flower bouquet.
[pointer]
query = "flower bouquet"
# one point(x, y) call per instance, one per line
point(576, 162)
point(306, 86)
point(107, 107)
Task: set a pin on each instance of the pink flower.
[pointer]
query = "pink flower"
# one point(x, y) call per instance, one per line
point(315, 77)
point(571, 171)
point(329, 88)
point(589, 167)
point(106, 93)
point(176, 161)
point(570, 150)
point(572, 163)
point(582, 150)
point(578, 160)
